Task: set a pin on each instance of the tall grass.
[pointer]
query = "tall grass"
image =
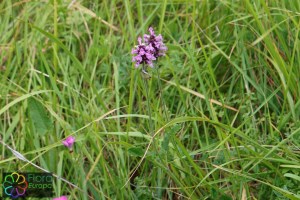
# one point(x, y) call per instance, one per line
point(225, 106)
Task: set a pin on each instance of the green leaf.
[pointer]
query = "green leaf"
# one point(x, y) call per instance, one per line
point(293, 176)
point(291, 166)
point(38, 116)
point(168, 134)
point(165, 142)
point(136, 151)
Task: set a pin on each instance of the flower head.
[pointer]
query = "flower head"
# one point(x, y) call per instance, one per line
point(68, 142)
point(152, 48)
point(61, 198)
point(142, 54)
point(156, 42)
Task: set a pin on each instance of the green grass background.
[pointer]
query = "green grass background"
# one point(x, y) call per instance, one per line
point(66, 68)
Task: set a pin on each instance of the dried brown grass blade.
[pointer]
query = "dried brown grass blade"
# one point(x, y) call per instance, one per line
point(200, 95)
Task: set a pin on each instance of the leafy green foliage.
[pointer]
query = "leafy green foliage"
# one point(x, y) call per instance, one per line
point(74, 61)
point(38, 116)
point(136, 151)
point(168, 135)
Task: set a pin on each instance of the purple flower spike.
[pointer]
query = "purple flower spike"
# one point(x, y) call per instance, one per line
point(143, 55)
point(156, 41)
point(69, 141)
point(146, 53)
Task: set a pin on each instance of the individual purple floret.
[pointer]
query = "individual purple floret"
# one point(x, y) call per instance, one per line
point(143, 54)
point(156, 44)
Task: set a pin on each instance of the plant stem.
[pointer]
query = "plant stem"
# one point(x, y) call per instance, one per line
point(164, 106)
point(148, 105)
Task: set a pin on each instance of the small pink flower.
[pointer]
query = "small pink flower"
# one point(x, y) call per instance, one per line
point(61, 198)
point(68, 142)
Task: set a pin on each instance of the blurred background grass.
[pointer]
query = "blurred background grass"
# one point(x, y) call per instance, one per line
point(65, 68)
